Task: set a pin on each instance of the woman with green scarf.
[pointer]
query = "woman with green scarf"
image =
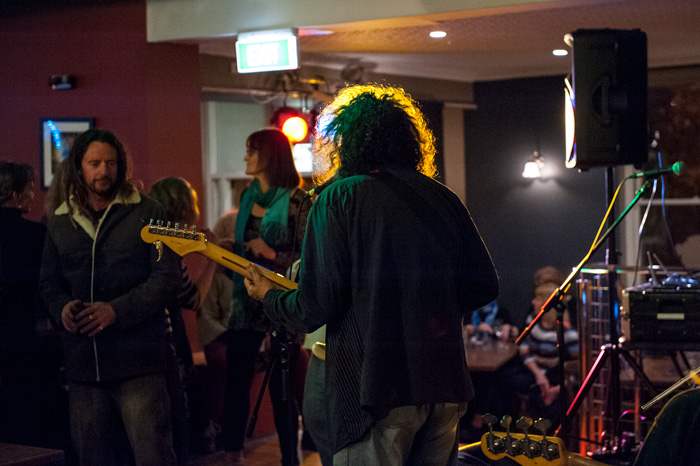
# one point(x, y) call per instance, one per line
point(269, 228)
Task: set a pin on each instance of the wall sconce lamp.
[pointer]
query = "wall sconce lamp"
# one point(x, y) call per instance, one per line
point(534, 165)
point(61, 82)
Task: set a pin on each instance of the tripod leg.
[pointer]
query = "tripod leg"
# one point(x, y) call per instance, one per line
point(258, 402)
point(639, 371)
point(685, 360)
point(588, 382)
point(672, 355)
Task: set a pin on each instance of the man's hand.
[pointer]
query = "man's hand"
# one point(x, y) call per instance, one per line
point(257, 285)
point(542, 382)
point(68, 315)
point(95, 317)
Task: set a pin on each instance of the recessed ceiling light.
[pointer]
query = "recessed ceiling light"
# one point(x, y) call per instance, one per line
point(438, 34)
point(312, 32)
point(560, 52)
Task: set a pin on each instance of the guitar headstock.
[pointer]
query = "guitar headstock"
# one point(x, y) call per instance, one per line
point(180, 240)
point(526, 449)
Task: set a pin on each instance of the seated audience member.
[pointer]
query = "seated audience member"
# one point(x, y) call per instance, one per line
point(179, 200)
point(491, 319)
point(551, 274)
point(540, 356)
point(212, 321)
point(548, 274)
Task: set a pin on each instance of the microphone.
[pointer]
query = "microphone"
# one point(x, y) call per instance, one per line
point(675, 169)
point(318, 188)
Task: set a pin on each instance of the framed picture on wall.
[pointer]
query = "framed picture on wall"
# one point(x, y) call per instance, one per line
point(57, 136)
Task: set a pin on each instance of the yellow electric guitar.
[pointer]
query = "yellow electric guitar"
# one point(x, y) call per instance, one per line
point(184, 241)
point(526, 449)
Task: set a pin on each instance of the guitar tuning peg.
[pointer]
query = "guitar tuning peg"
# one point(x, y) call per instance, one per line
point(543, 426)
point(524, 424)
point(549, 450)
point(505, 422)
point(530, 448)
point(490, 420)
point(177, 225)
point(168, 225)
point(494, 443)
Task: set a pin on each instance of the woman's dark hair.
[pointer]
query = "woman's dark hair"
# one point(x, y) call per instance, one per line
point(178, 198)
point(14, 177)
point(74, 181)
point(275, 158)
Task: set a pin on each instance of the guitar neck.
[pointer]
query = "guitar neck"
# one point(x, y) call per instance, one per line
point(184, 242)
point(238, 264)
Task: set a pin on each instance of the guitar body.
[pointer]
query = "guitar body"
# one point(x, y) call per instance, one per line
point(185, 242)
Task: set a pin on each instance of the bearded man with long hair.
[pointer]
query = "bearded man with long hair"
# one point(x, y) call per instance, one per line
point(107, 289)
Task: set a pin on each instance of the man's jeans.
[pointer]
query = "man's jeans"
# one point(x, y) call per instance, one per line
point(422, 435)
point(141, 403)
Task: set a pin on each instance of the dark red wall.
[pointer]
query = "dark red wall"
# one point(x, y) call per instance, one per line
point(147, 94)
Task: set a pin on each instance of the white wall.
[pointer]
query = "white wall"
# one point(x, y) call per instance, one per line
point(225, 128)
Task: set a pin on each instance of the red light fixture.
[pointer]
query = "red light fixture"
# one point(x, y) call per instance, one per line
point(295, 128)
point(292, 123)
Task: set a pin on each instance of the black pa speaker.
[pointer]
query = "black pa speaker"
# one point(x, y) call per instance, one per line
point(609, 98)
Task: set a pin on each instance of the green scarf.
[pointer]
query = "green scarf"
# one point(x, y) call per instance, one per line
point(273, 230)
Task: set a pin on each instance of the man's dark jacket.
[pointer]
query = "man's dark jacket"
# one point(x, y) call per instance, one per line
point(111, 263)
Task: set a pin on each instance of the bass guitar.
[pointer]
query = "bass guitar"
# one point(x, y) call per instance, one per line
point(184, 241)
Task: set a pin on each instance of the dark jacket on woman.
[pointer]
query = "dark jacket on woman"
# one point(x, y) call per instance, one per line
point(21, 244)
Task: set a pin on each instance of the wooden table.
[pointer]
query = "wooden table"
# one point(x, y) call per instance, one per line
point(22, 455)
point(489, 355)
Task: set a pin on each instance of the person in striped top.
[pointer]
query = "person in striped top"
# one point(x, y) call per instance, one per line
point(540, 356)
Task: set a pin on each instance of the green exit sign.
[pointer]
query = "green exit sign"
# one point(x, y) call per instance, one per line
point(266, 51)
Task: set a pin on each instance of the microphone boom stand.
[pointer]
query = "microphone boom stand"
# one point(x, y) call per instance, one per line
point(555, 302)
